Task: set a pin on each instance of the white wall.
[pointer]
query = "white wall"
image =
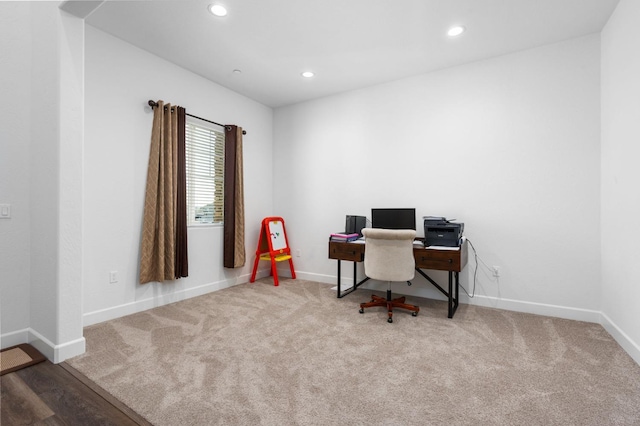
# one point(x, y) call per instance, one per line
point(15, 137)
point(620, 176)
point(120, 79)
point(41, 300)
point(509, 146)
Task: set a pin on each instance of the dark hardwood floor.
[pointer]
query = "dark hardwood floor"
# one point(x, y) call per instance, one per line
point(50, 394)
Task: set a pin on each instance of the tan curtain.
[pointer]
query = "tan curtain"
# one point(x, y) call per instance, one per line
point(234, 250)
point(158, 246)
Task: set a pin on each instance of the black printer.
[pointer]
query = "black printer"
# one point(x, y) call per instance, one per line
point(438, 231)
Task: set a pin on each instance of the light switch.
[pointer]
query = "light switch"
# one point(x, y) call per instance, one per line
point(5, 211)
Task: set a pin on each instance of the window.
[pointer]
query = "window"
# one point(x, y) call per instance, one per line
point(204, 152)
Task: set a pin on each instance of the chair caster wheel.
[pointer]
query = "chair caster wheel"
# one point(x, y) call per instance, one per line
point(390, 320)
point(361, 310)
point(414, 314)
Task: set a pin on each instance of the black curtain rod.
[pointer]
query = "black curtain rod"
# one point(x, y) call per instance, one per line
point(154, 104)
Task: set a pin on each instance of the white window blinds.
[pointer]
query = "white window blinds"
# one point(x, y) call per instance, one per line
point(204, 148)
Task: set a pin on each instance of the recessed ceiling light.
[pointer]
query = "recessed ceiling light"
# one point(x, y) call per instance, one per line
point(237, 71)
point(218, 10)
point(455, 31)
point(307, 74)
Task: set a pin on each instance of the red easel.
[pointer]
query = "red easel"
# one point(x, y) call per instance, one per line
point(273, 245)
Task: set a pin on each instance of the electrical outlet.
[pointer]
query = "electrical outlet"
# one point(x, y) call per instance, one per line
point(297, 253)
point(496, 271)
point(5, 211)
point(113, 277)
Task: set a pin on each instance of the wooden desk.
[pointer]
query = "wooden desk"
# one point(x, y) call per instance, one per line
point(452, 261)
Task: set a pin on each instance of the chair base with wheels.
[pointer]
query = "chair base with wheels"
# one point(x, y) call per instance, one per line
point(390, 304)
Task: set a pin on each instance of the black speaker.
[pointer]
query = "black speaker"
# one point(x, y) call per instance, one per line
point(354, 224)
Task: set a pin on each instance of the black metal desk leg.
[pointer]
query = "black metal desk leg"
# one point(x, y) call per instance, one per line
point(338, 278)
point(454, 300)
point(450, 294)
point(355, 284)
point(355, 273)
point(457, 289)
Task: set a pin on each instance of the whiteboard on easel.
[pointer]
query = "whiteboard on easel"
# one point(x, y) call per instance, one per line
point(276, 234)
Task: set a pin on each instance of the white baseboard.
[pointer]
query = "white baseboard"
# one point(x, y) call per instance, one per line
point(631, 347)
point(577, 314)
point(14, 338)
point(114, 312)
point(557, 311)
point(119, 311)
point(321, 278)
point(489, 302)
point(54, 353)
point(58, 353)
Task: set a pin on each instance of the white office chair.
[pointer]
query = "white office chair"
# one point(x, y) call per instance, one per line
point(389, 257)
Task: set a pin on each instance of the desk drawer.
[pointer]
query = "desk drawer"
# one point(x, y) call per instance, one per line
point(346, 251)
point(441, 260)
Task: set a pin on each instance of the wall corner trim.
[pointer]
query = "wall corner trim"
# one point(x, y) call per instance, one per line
point(56, 353)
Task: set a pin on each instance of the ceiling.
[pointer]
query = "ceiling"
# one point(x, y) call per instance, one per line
point(349, 44)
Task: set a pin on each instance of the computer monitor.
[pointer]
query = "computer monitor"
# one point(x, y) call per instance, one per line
point(393, 218)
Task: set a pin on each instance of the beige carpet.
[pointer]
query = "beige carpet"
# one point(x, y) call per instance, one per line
point(256, 354)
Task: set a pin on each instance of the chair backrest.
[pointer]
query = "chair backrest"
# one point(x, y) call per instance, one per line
point(389, 254)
